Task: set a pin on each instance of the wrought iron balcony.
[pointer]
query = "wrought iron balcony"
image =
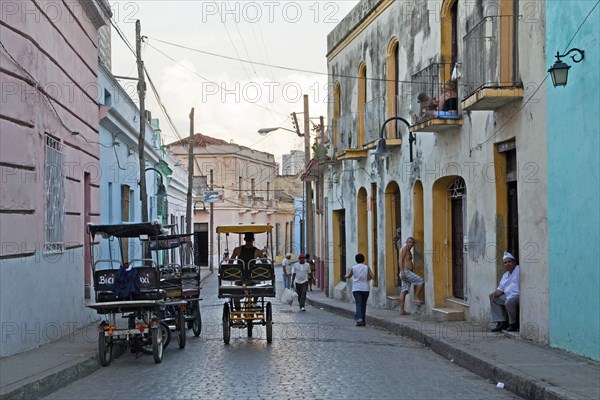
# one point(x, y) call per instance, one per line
point(434, 100)
point(490, 73)
point(375, 116)
point(347, 146)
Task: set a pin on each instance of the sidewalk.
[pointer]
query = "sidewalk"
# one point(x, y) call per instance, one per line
point(527, 369)
point(41, 371)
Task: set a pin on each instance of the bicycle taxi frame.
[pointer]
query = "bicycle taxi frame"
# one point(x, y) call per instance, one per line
point(246, 286)
point(132, 288)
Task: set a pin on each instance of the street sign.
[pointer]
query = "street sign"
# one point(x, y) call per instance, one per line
point(214, 196)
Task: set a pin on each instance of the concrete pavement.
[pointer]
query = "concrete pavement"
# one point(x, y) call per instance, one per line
point(525, 368)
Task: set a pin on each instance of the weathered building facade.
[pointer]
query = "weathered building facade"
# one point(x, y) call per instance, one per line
point(247, 179)
point(49, 158)
point(464, 172)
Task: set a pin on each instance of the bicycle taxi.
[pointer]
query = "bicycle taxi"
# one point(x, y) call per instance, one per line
point(180, 281)
point(130, 287)
point(246, 284)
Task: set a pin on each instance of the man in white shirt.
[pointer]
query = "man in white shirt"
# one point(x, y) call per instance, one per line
point(505, 299)
point(300, 272)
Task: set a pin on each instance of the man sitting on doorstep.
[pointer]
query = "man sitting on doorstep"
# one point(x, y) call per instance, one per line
point(505, 299)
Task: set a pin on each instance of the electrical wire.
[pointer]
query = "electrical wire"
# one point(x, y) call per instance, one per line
point(278, 66)
point(479, 146)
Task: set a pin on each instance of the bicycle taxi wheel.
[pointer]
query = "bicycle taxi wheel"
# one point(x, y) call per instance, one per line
point(226, 323)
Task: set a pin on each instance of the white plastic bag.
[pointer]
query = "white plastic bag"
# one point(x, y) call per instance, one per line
point(289, 296)
point(456, 75)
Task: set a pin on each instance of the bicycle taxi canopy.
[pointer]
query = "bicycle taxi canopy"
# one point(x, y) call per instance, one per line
point(244, 229)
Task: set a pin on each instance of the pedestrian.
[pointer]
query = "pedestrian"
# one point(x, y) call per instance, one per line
point(300, 272)
point(361, 275)
point(286, 266)
point(408, 277)
point(505, 299)
point(312, 273)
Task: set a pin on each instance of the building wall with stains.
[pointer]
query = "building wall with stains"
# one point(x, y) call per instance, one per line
point(497, 146)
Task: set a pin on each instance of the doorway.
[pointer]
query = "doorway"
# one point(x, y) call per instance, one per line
point(457, 192)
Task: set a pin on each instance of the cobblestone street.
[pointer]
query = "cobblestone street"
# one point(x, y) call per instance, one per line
point(314, 354)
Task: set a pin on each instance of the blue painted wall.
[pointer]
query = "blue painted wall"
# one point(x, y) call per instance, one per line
point(573, 180)
point(119, 163)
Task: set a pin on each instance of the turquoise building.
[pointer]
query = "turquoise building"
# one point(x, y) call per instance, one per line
point(573, 179)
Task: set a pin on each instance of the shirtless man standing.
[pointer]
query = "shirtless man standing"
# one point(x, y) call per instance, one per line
point(407, 276)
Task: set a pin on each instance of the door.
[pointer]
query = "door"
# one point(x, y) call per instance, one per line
point(457, 192)
point(342, 230)
point(457, 248)
point(201, 244)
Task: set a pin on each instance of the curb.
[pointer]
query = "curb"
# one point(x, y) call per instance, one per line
point(529, 388)
point(52, 382)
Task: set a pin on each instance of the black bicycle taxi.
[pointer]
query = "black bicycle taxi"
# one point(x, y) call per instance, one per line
point(147, 293)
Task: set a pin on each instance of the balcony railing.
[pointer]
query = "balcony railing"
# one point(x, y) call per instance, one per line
point(376, 114)
point(346, 128)
point(490, 62)
point(374, 118)
point(434, 99)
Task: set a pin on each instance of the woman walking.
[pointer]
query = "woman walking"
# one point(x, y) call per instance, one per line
point(361, 275)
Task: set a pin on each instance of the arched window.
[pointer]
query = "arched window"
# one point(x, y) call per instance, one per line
point(336, 115)
point(449, 36)
point(393, 87)
point(362, 99)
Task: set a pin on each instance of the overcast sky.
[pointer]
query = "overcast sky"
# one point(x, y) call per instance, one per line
point(232, 99)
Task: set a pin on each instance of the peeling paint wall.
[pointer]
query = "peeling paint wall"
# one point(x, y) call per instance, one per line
point(466, 151)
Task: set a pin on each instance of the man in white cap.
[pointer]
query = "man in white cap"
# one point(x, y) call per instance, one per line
point(505, 299)
point(286, 265)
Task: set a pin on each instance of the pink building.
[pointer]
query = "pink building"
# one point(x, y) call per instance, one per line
point(49, 124)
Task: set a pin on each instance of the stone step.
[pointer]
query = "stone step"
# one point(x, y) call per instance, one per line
point(393, 301)
point(459, 305)
point(447, 314)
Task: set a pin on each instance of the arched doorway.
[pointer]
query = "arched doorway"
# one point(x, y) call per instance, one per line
point(362, 224)
point(392, 223)
point(448, 263)
point(418, 229)
point(457, 193)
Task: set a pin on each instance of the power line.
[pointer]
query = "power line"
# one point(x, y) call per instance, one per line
point(205, 79)
point(273, 65)
point(526, 101)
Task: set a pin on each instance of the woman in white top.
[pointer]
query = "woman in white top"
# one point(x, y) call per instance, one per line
point(361, 275)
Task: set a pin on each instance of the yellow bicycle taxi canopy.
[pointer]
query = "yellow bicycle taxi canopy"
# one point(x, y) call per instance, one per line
point(244, 229)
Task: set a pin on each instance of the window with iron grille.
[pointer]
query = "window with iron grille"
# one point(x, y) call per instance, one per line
point(54, 179)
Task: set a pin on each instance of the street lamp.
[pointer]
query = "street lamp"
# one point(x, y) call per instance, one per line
point(559, 72)
point(203, 205)
point(307, 204)
point(266, 131)
point(381, 149)
point(161, 192)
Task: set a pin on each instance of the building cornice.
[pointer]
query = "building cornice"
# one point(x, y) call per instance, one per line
point(359, 28)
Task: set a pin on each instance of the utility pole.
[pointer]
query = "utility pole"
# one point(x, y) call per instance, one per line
point(141, 88)
point(308, 188)
point(212, 231)
point(188, 213)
